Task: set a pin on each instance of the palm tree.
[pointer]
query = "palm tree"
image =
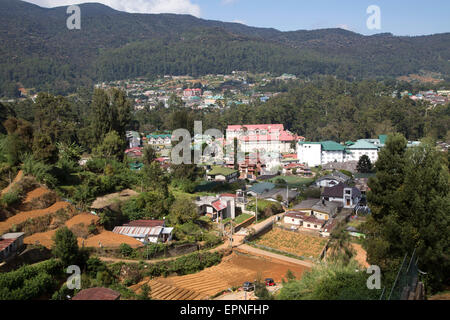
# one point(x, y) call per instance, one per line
point(340, 248)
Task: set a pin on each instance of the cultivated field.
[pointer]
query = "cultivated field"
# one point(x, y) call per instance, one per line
point(291, 242)
point(233, 271)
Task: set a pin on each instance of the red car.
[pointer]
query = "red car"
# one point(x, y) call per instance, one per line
point(270, 282)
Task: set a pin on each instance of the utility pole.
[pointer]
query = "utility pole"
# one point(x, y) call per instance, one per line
point(256, 210)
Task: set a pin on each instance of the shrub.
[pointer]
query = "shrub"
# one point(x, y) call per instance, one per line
point(10, 198)
point(125, 250)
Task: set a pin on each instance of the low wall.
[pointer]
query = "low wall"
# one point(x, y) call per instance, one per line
point(244, 224)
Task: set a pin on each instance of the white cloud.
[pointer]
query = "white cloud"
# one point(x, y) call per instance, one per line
point(239, 21)
point(134, 6)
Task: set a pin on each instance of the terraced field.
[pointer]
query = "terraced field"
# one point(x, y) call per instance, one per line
point(291, 242)
point(233, 271)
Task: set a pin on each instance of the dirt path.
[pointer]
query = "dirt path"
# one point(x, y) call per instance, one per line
point(16, 179)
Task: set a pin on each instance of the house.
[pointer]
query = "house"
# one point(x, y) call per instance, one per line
point(366, 147)
point(332, 179)
point(262, 137)
point(10, 243)
point(134, 153)
point(294, 218)
point(348, 196)
point(314, 154)
point(260, 188)
point(220, 206)
point(329, 227)
point(146, 231)
point(133, 139)
point(223, 174)
point(98, 293)
point(321, 209)
point(192, 92)
point(279, 195)
point(313, 223)
point(159, 139)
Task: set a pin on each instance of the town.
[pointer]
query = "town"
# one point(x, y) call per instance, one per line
point(149, 152)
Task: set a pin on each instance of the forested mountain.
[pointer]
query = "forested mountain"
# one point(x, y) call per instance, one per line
point(39, 51)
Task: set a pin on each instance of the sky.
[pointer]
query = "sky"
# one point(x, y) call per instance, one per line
point(400, 17)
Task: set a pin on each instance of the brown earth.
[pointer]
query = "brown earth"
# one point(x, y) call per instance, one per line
point(36, 193)
point(361, 255)
point(25, 215)
point(233, 271)
point(108, 239)
point(16, 179)
point(85, 218)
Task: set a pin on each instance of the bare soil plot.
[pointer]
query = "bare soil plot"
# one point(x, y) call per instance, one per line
point(36, 193)
point(233, 271)
point(108, 239)
point(296, 243)
point(361, 255)
point(25, 215)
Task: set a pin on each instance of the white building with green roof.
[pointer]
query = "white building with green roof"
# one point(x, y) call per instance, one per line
point(363, 147)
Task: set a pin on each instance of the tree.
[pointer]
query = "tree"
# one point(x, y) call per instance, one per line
point(183, 210)
point(389, 177)
point(332, 281)
point(112, 147)
point(414, 214)
point(364, 165)
point(125, 249)
point(65, 246)
point(149, 155)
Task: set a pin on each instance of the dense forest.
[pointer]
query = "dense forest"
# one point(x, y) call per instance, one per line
point(39, 51)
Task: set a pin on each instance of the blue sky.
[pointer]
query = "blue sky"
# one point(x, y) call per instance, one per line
point(400, 17)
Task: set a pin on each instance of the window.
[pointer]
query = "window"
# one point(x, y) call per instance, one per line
point(315, 226)
point(308, 225)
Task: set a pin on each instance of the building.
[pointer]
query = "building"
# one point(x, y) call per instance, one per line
point(192, 93)
point(134, 153)
point(222, 174)
point(133, 139)
point(348, 196)
point(332, 179)
point(146, 231)
point(262, 137)
point(260, 188)
point(98, 293)
point(321, 209)
point(159, 139)
point(279, 195)
point(10, 243)
point(294, 218)
point(363, 147)
point(314, 154)
point(221, 206)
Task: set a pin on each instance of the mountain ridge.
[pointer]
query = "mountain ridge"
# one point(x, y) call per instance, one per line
point(39, 51)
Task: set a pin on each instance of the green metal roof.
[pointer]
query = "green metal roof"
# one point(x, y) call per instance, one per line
point(262, 187)
point(159, 136)
point(361, 144)
point(383, 138)
point(332, 146)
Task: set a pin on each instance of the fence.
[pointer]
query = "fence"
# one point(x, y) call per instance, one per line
point(406, 282)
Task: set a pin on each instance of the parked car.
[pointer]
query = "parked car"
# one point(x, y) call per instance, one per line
point(248, 286)
point(270, 282)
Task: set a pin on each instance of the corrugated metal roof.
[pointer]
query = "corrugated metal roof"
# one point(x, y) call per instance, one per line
point(138, 232)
